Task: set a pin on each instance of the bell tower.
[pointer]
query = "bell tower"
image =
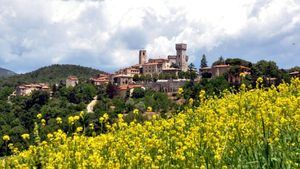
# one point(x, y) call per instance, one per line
point(142, 56)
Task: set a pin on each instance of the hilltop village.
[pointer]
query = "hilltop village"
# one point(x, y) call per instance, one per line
point(74, 96)
point(166, 73)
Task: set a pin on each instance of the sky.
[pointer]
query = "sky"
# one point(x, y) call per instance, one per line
point(107, 34)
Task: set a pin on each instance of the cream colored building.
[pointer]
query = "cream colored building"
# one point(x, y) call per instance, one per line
point(154, 65)
point(121, 79)
point(158, 65)
point(26, 90)
point(100, 79)
point(71, 81)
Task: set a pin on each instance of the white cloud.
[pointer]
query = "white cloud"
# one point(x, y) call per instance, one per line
point(108, 34)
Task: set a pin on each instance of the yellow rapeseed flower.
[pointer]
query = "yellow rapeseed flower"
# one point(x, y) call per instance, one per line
point(25, 136)
point(6, 138)
point(136, 111)
point(79, 129)
point(43, 121)
point(39, 116)
point(59, 120)
point(180, 90)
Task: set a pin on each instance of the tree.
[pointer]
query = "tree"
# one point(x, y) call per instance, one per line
point(174, 65)
point(111, 90)
point(138, 93)
point(266, 69)
point(216, 85)
point(203, 61)
point(191, 71)
point(136, 78)
point(5, 92)
point(182, 75)
point(238, 62)
point(296, 68)
point(220, 61)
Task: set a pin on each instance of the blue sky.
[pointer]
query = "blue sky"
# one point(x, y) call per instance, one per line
point(107, 34)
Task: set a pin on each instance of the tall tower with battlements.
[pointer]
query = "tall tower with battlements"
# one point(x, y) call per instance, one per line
point(142, 56)
point(181, 57)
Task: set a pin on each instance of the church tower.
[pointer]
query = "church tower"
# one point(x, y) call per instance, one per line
point(181, 57)
point(142, 56)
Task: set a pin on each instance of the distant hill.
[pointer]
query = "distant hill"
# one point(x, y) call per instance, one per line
point(6, 73)
point(50, 74)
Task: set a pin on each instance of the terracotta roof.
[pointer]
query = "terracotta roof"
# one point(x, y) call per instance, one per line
point(134, 86)
point(72, 78)
point(171, 68)
point(149, 64)
point(122, 87)
point(219, 66)
point(100, 80)
point(294, 73)
point(205, 68)
point(244, 67)
point(122, 75)
point(38, 85)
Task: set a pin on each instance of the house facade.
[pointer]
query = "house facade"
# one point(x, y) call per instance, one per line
point(27, 89)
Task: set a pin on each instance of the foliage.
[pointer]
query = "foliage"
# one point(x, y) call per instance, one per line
point(50, 74)
point(250, 129)
point(203, 61)
point(296, 68)
point(265, 68)
point(192, 74)
point(138, 93)
point(111, 90)
point(220, 61)
point(238, 62)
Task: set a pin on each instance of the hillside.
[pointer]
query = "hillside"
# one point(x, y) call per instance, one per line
point(6, 73)
point(250, 129)
point(50, 74)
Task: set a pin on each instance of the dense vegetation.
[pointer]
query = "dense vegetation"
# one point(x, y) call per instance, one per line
point(50, 74)
point(255, 128)
point(18, 115)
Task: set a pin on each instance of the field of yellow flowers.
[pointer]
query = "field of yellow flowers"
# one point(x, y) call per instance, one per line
point(257, 128)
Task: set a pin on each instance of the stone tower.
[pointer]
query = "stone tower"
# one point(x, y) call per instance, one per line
point(142, 56)
point(181, 57)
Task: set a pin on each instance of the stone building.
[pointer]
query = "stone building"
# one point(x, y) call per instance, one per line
point(121, 79)
point(154, 65)
point(142, 57)
point(236, 78)
point(129, 71)
point(167, 86)
point(216, 70)
point(158, 65)
point(181, 56)
point(152, 68)
point(100, 79)
point(25, 90)
point(219, 70)
point(71, 81)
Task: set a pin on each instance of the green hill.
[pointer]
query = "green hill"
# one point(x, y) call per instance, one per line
point(6, 73)
point(50, 74)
